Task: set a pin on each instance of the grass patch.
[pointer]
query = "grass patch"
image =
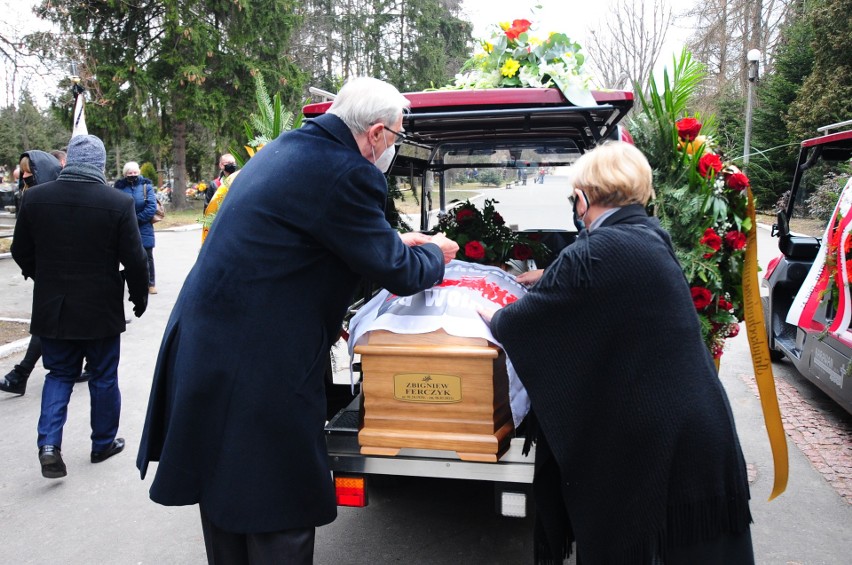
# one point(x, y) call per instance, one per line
point(408, 205)
point(175, 218)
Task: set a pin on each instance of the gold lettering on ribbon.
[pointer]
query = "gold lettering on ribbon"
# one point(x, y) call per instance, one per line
point(758, 343)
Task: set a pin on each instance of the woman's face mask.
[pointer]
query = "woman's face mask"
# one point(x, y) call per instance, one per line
point(29, 181)
point(132, 179)
point(585, 208)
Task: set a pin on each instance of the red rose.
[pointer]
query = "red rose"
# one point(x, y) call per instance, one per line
point(708, 162)
point(498, 219)
point(465, 215)
point(688, 128)
point(724, 304)
point(701, 297)
point(733, 330)
point(518, 27)
point(474, 250)
point(712, 240)
point(736, 240)
point(738, 182)
point(522, 252)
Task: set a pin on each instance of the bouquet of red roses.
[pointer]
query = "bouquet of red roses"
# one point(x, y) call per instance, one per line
point(484, 237)
point(701, 201)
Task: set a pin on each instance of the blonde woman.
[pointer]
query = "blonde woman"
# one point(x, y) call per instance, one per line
point(637, 456)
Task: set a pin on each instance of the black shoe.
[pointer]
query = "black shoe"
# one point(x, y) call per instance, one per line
point(116, 447)
point(84, 377)
point(14, 382)
point(52, 465)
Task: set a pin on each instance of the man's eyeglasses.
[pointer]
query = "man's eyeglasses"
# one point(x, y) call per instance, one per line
point(400, 137)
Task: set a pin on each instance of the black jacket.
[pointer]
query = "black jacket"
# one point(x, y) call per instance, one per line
point(238, 407)
point(70, 238)
point(608, 346)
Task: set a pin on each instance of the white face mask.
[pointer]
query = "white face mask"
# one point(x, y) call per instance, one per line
point(384, 161)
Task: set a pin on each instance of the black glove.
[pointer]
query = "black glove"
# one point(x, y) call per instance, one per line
point(139, 306)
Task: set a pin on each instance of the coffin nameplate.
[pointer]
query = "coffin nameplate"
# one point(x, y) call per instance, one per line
point(427, 388)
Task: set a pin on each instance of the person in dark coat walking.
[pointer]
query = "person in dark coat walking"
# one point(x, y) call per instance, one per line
point(637, 455)
point(36, 167)
point(237, 406)
point(143, 193)
point(71, 236)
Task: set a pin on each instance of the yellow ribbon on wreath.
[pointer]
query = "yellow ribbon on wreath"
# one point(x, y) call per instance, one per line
point(759, 345)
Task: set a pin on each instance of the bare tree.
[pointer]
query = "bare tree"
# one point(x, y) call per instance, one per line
point(24, 65)
point(626, 49)
point(725, 30)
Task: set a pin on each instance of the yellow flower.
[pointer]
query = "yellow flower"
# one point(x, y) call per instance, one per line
point(568, 56)
point(692, 146)
point(252, 150)
point(487, 46)
point(534, 41)
point(509, 68)
point(505, 25)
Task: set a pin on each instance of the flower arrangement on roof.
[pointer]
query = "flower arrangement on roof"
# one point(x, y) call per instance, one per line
point(515, 56)
point(701, 200)
point(484, 237)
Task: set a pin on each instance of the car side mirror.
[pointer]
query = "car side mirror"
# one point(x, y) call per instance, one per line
point(782, 226)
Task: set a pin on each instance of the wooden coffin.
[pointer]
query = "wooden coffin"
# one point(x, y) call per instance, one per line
point(434, 391)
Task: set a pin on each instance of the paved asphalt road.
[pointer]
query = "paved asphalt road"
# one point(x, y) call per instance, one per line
point(101, 513)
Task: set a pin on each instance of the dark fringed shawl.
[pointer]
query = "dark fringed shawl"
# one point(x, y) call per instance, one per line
point(637, 450)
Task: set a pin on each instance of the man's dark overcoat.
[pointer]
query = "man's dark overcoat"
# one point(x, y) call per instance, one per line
point(70, 238)
point(237, 408)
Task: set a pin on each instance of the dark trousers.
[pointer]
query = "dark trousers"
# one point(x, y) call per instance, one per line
point(63, 359)
point(289, 547)
point(31, 357)
point(151, 279)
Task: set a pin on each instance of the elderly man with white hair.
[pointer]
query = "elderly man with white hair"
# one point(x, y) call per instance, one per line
point(236, 419)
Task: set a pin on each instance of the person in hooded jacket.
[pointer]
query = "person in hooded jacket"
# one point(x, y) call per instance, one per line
point(36, 167)
point(142, 191)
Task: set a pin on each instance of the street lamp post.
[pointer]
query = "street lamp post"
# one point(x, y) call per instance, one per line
point(753, 57)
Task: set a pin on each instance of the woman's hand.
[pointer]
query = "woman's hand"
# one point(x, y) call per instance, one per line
point(486, 312)
point(530, 277)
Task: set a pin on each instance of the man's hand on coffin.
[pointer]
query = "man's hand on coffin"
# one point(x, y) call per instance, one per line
point(415, 238)
point(448, 246)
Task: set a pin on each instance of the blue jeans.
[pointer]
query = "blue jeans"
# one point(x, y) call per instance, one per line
point(63, 359)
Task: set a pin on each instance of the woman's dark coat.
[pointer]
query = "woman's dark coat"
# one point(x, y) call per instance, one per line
point(608, 346)
point(237, 408)
point(145, 197)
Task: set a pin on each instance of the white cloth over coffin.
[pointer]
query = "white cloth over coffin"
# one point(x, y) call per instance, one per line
point(450, 306)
